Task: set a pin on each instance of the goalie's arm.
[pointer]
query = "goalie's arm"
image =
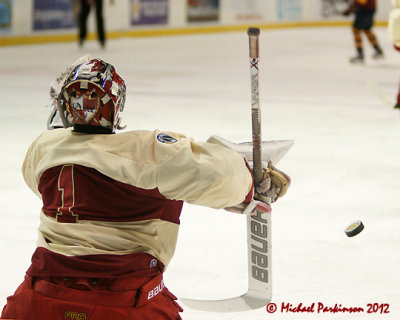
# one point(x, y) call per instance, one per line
point(203, 173)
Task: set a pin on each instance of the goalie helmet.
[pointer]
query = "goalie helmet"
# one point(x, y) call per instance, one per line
point(92, 97)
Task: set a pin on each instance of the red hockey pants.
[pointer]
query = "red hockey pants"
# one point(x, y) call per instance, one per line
point(38, 299)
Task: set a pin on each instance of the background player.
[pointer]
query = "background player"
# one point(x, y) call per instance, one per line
point(84, 10)
point(364, 11)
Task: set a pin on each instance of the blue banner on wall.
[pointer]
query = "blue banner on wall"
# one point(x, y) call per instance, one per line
point(149, 12)
point(5, 14)
point(52, 14)
point(289, 10)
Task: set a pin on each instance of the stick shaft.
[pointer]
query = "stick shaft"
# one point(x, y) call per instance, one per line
point(253, 34)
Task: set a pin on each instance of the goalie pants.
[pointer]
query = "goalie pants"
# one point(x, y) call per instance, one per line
point(87, 299)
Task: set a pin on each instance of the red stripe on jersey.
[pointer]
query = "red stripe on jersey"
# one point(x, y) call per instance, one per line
point(71, 191)
point(46, 263)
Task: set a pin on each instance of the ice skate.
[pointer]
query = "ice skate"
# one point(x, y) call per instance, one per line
point(378, 55)
point(357, 59)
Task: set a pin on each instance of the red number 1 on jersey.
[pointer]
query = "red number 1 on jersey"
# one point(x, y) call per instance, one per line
point(66, 187)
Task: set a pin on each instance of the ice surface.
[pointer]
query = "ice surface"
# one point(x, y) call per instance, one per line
point(345, 164)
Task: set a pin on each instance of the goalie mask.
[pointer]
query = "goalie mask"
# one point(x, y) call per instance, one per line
point(92, 97)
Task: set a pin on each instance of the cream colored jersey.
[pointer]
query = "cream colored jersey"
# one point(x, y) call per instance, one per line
point(122, 194)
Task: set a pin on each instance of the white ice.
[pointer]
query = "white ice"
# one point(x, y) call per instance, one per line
point(345, 164)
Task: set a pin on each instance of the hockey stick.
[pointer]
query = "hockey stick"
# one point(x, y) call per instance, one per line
point(253, 34)
point(258, 226)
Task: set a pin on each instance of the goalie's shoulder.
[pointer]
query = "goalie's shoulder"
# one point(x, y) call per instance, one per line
point(157, 136)
point(169, 137)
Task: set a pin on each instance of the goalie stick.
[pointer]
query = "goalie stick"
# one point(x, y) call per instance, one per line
point(259, 291)
point(259, 238)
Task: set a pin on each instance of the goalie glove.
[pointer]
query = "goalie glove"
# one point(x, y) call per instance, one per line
point(274, 185)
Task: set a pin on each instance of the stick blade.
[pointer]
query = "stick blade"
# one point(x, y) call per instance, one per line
point(245, 302)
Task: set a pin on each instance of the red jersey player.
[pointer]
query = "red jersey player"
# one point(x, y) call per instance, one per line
point(112, 202)
point(364, 11)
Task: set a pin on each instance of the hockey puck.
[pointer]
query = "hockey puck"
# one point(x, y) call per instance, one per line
point(354, 228)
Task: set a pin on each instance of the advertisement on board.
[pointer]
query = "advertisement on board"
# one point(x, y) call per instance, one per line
point(202, 10)
point(53, 14)
point(149, 12)
point(5, 15)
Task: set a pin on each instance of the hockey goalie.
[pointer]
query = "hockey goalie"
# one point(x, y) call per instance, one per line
point(112, 202)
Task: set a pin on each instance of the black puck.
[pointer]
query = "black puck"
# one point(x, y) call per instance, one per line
point(354, 228)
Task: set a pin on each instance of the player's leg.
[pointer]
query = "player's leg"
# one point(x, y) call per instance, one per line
point(85, 9)
point(139, 298)
point(100, 22)
point(18, 305)
point(365, 23)
point(358, 45)
point(397, 105)
point(374, 43)
point(163, 306)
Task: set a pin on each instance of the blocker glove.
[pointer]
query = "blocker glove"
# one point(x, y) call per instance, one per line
point(274, 185)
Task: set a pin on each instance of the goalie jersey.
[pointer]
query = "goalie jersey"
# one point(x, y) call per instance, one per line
point(112, 202)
